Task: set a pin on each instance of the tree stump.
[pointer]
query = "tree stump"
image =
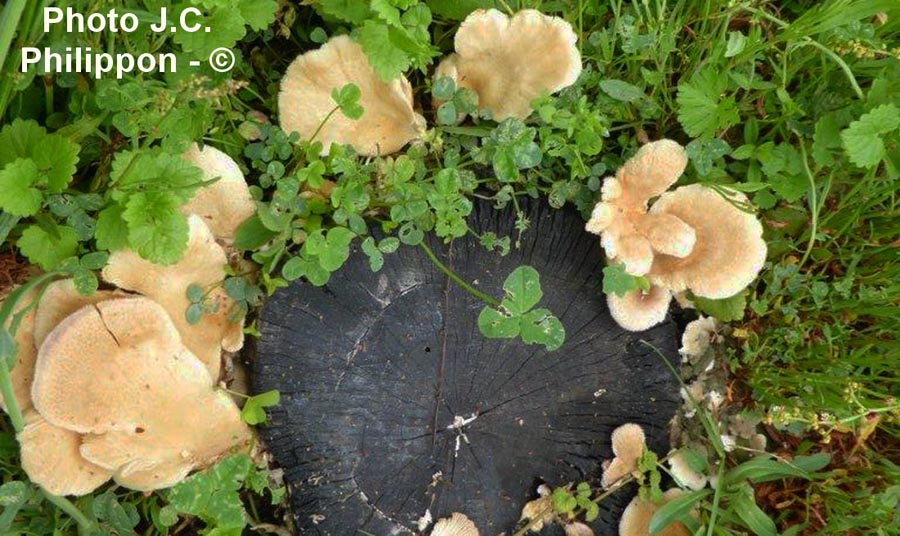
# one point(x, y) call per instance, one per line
point(374, 369)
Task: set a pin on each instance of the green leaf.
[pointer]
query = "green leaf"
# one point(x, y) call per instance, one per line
point(376, 259)
point(622, 91)
point(347, 99)
point(17, 139)
point(379, 42)
point(47, 249)
point(254, 412)
point(563, 501)
point(122, 518)
point(864, 138)
point(252, 234)
point(704, 153)
point(110, 233)
point(736, 43)
point(763, 469)
point(57, 158)
point(619, 282)
point(258, 14)
point(157, 230)
point(751, 514)
point(676, 509)
point(13, 496)
point(352, 11)
point(729, 309)
point(494, 324)
point(541, 327)
point(522, 290)
point(702, 110)
point(227, 27)
point(18, 196)
point(213, 495)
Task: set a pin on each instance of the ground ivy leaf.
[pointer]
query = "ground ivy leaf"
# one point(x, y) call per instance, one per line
point(727, 309)
point(522, 290)
point(258, 14)
point(57, 158)
point(157, 230)
point(388, 60)
point(109, 232)
point(18, 138)
point(617, 281)
point(227, 28)
point(542, 327)
point(18, 196)
point(863, 138)
point(496, 325)
point(46, 249)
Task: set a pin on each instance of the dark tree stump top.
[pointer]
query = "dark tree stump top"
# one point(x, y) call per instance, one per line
point(374, 367)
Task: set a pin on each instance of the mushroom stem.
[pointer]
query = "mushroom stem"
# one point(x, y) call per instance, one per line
point(456, 279)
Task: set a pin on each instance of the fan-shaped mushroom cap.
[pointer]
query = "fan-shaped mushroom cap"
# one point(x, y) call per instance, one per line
point(496, 56)
point(638, 310)
point(22, 373)
point(60, 299)
point(683, 474)
point(628, 444)
point(388, 122)
point(224, 204)
point(51, 459)
point(455, 525)
point(117, 369)
point(629, 233)
point(578, 529)
point(636, 518)
point(729, 251)
point(203, 265)
point(698, 335)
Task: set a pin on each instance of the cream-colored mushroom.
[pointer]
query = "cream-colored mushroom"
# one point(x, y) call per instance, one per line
point(388, 122)
point(638, 310)
point(22, 372)
point(636, 518)
point(496, 57)
point(51, 459)
point(628, 233)
point(118, 370)
point(60, 299)
point(226, 203)
point(683, 474)
point(628, 443)
point(729, 250)
point(203, 265)
point(578, 529)
point(455, 525)
point(698, 335)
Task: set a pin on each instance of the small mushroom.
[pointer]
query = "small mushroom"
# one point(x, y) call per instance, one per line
point(51, 459)
point(224, 204)
point(698, 335)
point(639, 310)
point(729, 250)
point(496, 57)
point(388, 121)
point(455, 525)
point(636, 518)
point(60, 299)
point(117, 370)
point(578, 529)
point(203, 265)
point(22, 372)
point(628, 233)
point(683, 474)
point(628, 444)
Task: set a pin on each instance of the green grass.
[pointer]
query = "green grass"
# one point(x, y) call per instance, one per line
point(792, 102)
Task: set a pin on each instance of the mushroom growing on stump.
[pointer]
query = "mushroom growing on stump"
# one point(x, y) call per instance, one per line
point(305, 103)
point(393, 403)
point(496, 57)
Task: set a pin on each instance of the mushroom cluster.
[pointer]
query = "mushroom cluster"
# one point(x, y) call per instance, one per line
point(119, 385)
point(494, 57)
point(690, 239)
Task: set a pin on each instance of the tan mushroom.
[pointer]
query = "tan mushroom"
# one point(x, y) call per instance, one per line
point(698, 335)
point(60, 299)
point(638, 310)
point(22, 372)
point(225, 204)
point(455, 525)
point(51, 459)
point(539, 511)
point(118, 370)
point(628, 444)
point(729, 250)
point(628, 233)
point(636, 518)
point(388, 122)
point(682, 473)
point(203, 265)
point(496, 57)
point(578, 529)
